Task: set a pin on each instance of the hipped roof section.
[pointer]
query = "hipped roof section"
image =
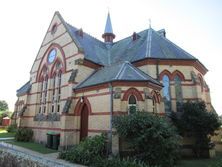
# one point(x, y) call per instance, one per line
point(117, 72)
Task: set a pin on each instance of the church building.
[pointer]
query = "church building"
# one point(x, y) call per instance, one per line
point(79, 83)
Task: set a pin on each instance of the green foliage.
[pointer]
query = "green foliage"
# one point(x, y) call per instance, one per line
point(197, 122)
point(24, 134)
point(117, 162)
point(3, 105)
point(12, 128)
point(86, 152)
point(153, 138)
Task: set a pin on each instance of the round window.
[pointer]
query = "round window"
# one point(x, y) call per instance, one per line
point(52, 55)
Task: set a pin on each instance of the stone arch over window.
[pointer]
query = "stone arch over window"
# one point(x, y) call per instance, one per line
point(60, 57)
point(155, 96)
point(155, 100)
point(79, 106)
point(57, 66)
point(178, 92)
point(179, 74)
point(132, 104)
point(44, 71)
point(166, 92)
point(132, 91)
point(165, 72)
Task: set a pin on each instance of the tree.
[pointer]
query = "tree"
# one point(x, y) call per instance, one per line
point(3, 105)
point(195, 121)
point(153, 139)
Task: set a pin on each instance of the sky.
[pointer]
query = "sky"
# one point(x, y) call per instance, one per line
point(195, 26)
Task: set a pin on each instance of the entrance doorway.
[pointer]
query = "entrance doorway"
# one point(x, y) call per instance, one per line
point(84, 122)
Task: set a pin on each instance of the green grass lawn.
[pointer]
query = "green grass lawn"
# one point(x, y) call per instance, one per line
point(33, 146)
point(200, 162)
point(4, 133)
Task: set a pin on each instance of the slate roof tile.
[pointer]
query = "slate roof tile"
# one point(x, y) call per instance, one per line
point(24, 89)
point(117, 72)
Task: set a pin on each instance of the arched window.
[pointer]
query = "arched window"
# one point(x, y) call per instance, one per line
point(59, 90)
point(166, 93)
point(53, 93)
point(178, 92)
point(132, 104)
point(56, 87)
point(43, 91)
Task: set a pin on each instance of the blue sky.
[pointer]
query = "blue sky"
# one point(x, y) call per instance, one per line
point(196, 26)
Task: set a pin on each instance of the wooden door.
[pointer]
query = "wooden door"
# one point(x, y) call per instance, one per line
point(84, 123)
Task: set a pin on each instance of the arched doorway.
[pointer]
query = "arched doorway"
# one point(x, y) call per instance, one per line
point(84, 122)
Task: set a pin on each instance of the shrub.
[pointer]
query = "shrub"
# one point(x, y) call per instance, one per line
point(86, 151)
point(12, 128)
point(197, 122)
point(153, 139)
point(24, 134)
point(117, 162)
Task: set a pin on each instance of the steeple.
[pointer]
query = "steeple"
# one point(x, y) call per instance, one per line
point(108, 32)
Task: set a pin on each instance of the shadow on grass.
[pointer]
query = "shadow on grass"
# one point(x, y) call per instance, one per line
point(192, 162)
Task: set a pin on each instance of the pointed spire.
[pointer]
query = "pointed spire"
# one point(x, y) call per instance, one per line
point(108, 32)
point(108, 28)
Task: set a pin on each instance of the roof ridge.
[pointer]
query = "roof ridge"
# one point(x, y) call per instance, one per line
point(178, 47)
point(149, 40)
point(135, 69)
point(118, 74)
point(139, 70)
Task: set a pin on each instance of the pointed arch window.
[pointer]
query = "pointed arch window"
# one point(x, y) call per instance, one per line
point(132, 104)
point(166, 93)
point(56, 87)
point(43, 91)
point(53, 93)
point(178, 92)
point(59, 90)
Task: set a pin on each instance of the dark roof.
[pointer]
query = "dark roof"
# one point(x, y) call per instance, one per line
point(24, 89)
point(94, 49)
point(117, 72)
point(149, 44)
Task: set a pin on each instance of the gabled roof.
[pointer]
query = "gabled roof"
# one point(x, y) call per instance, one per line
point(24, 89)
point(117, 72)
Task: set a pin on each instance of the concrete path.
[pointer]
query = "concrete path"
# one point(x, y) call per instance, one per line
point(6, 138)
point(49, 159)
